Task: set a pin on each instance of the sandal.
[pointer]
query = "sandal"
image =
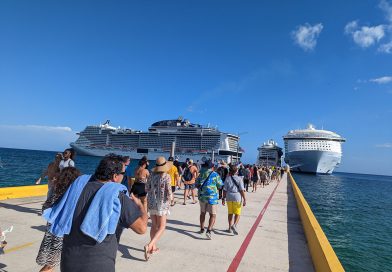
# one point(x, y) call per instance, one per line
point(155, 251)
point(146, 253)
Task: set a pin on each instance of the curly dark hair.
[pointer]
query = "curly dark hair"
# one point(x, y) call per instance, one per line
point(108, 166)
point(67, 176)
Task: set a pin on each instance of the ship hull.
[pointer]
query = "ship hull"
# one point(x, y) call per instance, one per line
point(150, 154)
point(313, 161)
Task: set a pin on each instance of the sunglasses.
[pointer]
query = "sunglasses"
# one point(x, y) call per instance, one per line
point(121, 173)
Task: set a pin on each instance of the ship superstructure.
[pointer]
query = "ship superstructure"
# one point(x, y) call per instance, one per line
point(189, 140)
point(312, 150)
point(269, 154)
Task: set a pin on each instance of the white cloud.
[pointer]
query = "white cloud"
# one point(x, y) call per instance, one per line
point(305, 36)
point(37, 127)
point(386, 48)
point(36, 136)
point(386, 145)
point(365, 36)
point(387, 8)
point(382, 80)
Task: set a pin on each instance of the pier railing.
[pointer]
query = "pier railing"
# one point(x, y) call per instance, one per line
point(323, 256)
point(23, 191)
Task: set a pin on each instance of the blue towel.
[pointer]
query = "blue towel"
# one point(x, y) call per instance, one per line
point(61, 214)
point(104, 212)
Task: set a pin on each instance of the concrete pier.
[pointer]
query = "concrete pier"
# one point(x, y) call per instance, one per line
point(271, 237)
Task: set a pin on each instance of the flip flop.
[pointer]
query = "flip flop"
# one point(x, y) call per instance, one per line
point(146, 253)
point(195, 202)
point(156, 251)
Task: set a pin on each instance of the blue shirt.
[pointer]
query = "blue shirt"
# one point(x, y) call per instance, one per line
point(209, 192)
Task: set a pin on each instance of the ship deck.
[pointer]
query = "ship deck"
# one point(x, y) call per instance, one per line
point(271, 237)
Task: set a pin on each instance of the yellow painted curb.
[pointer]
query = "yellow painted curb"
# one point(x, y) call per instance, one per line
point(19, 247)
point(23, 191)
point(323, 256)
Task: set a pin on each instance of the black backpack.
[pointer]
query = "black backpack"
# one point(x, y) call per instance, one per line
point(187, 176)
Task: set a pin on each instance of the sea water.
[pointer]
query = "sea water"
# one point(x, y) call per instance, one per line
point(354, 210)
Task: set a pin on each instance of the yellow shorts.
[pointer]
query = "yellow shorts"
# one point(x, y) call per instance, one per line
point(234, 207)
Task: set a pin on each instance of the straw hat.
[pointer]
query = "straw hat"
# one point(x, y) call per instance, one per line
point(161, 165)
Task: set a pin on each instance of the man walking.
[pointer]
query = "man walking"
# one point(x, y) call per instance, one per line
point(208, 184)
point(91, 216)
point(189, 177)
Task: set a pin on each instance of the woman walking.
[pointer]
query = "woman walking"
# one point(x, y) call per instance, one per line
point(49, 254)
point(159, 197)
point(234, 194)
point(255, 178)
point(141, 176)
point(52, 172)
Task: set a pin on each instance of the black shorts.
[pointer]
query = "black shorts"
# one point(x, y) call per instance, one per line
point(139, 189)
point(173, 189)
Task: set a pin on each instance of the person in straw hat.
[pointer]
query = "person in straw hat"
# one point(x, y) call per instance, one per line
point(159, 197)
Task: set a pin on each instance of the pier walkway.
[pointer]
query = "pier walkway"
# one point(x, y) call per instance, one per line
point(271, 237)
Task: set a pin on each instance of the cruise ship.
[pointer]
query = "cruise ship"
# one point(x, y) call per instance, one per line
point(186, 139)
point(269, 154)
point(313, 151)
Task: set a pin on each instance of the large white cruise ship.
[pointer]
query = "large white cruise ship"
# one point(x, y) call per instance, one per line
point(190, 141)
point(269, 154)
point(313, 151)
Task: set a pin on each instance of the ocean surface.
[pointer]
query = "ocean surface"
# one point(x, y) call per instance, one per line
point(354, 210)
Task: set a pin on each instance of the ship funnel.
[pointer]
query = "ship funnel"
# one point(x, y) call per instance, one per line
point(311, 126)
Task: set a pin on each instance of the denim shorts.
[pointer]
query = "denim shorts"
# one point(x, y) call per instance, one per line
point(189, 186)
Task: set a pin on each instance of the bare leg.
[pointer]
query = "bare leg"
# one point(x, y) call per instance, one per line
point(230, 219)
point(236, 219)
point(202, 219)
point(154, 224)
point(160, 228)
point(143, 199)
point(193, 195)
point(185, 195)
point(211, 222)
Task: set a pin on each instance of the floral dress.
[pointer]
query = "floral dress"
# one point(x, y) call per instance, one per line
point(50, 250)
point(159, 194)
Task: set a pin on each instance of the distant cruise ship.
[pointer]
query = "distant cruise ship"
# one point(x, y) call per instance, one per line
point(269, 154)
point(313, 151)
point(190, 141)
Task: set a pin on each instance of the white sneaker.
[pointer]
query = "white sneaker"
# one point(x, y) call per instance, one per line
point(208, 235)
point(234, 229)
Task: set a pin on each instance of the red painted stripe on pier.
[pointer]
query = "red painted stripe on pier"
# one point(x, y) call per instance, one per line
point(238, 257)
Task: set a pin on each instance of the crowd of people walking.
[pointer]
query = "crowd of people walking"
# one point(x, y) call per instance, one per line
point(87, 214)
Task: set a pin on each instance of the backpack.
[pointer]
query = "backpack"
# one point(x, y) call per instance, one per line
point(222, 173)
point(247, 174)
point(188, 176)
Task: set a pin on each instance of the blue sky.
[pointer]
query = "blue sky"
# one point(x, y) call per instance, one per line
point(245, 66)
